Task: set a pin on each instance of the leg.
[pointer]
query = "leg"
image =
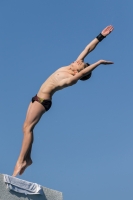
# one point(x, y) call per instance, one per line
point(34, 113)
point(27, 161)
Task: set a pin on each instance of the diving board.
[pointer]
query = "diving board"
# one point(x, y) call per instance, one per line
point(49, 194)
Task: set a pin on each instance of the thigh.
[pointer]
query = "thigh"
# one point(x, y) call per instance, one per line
point(34, 113)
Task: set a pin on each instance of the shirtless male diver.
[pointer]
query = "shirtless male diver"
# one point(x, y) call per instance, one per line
point(63, 77)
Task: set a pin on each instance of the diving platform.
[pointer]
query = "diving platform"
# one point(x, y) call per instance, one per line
point(7, 193)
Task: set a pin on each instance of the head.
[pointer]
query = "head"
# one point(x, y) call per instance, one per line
point(79, 65)
point(87, 76)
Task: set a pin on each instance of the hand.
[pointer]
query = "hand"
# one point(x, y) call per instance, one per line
point(107, 30)
point(105, 62)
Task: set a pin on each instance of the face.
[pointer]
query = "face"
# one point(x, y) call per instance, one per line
point(80, 65)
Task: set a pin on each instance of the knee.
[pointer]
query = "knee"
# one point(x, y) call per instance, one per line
point(27, 127)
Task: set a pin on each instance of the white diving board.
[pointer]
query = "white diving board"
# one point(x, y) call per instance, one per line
point(6, 194)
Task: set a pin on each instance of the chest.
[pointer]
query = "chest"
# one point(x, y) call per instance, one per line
point(63, 74)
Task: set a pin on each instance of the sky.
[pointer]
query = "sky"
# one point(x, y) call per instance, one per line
point(83, 145)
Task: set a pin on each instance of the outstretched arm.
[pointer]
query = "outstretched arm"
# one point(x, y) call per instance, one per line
point(73, 79)
point(87, 71)
point(91, 46)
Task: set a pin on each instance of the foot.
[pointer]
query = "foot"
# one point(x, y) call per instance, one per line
point(20, 167)
point(28, 162)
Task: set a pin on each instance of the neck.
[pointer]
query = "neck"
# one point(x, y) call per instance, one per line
point(73, 69)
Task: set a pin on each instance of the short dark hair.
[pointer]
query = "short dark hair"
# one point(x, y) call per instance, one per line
point(84, 78)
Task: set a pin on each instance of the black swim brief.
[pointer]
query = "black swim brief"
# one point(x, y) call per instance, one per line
point(46, 103)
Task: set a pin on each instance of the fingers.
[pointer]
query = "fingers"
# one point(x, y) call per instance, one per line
point(105, 62)
point(110, 28)
point(110, 62)
point(107, 30)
